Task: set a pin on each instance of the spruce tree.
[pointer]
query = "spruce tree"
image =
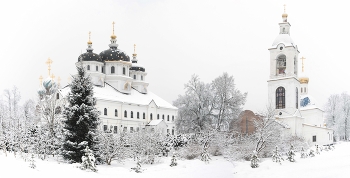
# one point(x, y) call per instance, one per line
point(80, 118)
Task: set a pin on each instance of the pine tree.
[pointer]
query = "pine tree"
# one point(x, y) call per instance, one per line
point(303, 154)
point(173, 160)
point(80, 118)
point(277, 157)
point(254, 160)
point(291, 154)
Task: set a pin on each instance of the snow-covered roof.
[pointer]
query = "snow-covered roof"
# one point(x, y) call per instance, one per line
point(154, 122)
point(110, 94)
point(137, 65)
point(283, 38)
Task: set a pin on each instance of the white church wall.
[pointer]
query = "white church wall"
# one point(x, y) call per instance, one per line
point(313, 116)
point(323, 135)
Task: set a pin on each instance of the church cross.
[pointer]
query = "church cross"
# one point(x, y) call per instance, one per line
point(49, 62)
point(53, 77)
point(302, 63)
point(41, 80)
point(89, 36)
point(134, 48)
point(113, 27)
point(59, 80)
point(284, 8)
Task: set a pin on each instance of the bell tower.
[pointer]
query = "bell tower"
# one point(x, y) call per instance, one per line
point(283, 83)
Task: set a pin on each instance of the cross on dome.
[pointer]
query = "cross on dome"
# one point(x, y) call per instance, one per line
point(302, 63)
point(49, 62)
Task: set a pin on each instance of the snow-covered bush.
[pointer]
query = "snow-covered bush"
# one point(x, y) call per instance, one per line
point(173, 161)
point(113, 147)
point(32, 162)
point(312, 153)
point(303, 153)
point(138, 168)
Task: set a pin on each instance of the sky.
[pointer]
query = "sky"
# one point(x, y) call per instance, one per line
point(176, 39)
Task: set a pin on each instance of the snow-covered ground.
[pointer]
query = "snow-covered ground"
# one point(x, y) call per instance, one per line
point(329, 164)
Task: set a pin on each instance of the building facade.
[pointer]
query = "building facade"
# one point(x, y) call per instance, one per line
point(121, 90)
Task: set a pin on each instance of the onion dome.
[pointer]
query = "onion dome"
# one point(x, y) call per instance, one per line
point(304, 80)
point(135, 66)
point(89, 55)
point(307, 100)
point(113, 53)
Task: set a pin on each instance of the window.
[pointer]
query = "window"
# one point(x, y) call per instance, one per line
point(112, 70)
point(105, 112)
point(123, 70)
point(125, 129)
point(151, 116)
point(88, 67)
point(57, 96)
point(96, 68)
point(105, 128)
point(280, 98)
point(314, 138)
point(131, 129)
point(125, 114)
point(296, 98)
point(172, 132)
point(144, 116)
point(103, 69)
point(158, 116)
point(132, 114)
point(301, 89)
point(141, 77)
point(167, 118)
point(116, 113)
point(137, 129)
point(134, 77)
point(172, 118)
point(115, 129)
point(163, 117)
point(305, 89)
point(281, 64)
point(167, 131)
point(138, 115)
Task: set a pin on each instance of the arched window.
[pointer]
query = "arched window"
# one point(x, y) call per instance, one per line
point(132, 114)
point(167, 118)
point(88, 67)
point(280, 98)
point(163, 117)
point(172, 118)
point(116, 113)
point(305, 89)
point(281, 64)
point(96, 68)
point(103, 69)
point(125, 114)
point(123, 70)
point(141, 77)
point(301, 89)
point(144, 116)
point(151, 116)
point(57, 96)
point(112, 70)
point(138, 115)
point(134, 77)
point(296, 98)
point(157, 116)
point(105, 112)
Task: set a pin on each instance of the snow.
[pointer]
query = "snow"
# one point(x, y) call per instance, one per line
point(155, 122)
point(110, 94)
point(325, 165)
point(284, 39)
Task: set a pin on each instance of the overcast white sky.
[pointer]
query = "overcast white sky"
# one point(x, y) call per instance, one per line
point(176, 39)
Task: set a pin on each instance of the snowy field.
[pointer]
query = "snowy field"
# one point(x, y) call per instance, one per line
point(329, 164)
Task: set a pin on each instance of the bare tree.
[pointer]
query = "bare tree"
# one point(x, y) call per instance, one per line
point(345, 107)
point(227, 101)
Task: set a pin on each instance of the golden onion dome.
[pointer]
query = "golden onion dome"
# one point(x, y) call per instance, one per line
point(304, 80)
point(284, 15)
point(89, 42)
point(113, 36)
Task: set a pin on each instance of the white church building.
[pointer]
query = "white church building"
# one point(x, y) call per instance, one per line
point(121, 91)
point(288, 93)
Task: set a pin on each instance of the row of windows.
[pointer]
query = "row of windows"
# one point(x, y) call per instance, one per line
point(113, 71)
point(114, 129)
point(281, 98)
point(137, 115)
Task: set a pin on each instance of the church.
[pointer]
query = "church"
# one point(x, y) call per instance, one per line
point(288, 93)
point(121, 91)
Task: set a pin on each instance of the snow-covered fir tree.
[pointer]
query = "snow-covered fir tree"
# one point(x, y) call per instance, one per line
point(80, 118)
point(138, 168)
point(88, 161)
point(254, 160)
point(317, 149)
point(303, 153)
point(291, 154)
point(173, 160)
point(32, 162)
point(312, 153)
point(277, 157)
